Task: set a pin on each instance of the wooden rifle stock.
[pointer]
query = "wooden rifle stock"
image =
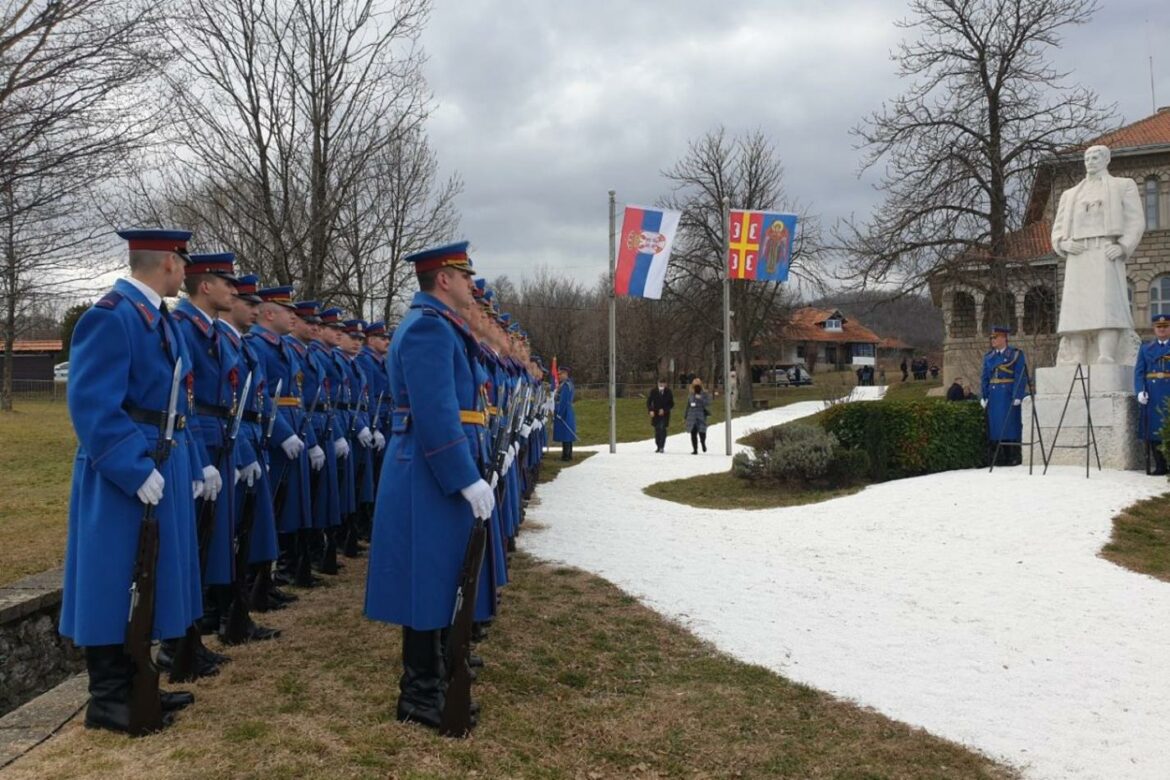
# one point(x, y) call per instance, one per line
point(236, 627)
point(145, 705)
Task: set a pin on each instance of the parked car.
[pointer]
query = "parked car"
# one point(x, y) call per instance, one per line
point(61, 372)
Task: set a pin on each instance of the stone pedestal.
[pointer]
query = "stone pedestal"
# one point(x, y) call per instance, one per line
point(1114, 410)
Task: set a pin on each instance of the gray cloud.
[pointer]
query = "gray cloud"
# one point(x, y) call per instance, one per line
point(543, 106)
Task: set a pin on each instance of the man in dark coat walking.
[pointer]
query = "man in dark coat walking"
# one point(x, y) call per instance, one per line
point(658, 404)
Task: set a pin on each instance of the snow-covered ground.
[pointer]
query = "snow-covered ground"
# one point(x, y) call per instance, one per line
point(968, 603)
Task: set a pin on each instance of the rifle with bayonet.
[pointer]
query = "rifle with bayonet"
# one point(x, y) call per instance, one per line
point(281, 490)
point(262, 585)
point(145, 705)
point(236, 626)
point(456, 718)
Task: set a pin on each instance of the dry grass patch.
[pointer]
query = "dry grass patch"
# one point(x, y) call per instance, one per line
point(581, 682)
point(1141, 538)
point(37, 445)
point(725, 491)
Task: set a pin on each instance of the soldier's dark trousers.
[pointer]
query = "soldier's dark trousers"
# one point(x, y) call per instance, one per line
point(109, 687)
point(660, 433)
point(1157, 459)
point(421, 687)
point(566, 450)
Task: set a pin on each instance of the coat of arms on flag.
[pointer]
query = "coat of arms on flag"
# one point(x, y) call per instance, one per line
point(643, 251)
point(761, 245)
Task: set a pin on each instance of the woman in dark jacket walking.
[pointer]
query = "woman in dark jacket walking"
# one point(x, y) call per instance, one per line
point(698, 403)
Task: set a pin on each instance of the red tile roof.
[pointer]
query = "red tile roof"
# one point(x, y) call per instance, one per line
point(889, 342)
point(806, 325)
point(47, 345)
point(1154, 130)
point(1030, 241)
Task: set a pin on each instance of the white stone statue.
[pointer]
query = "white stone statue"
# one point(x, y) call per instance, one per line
point(1098, 225)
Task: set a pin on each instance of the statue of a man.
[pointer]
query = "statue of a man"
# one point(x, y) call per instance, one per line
point(1098, 225)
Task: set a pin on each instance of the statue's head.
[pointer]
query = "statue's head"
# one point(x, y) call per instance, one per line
point(1097, 159)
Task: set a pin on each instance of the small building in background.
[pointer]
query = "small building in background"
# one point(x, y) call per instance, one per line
point(32, 360)
point(821, 339)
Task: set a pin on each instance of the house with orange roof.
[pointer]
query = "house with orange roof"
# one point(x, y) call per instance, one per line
point(1140, 150)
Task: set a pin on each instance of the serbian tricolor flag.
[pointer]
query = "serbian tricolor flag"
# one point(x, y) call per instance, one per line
point(761, 245)
point(555, 380)
point(643, 251)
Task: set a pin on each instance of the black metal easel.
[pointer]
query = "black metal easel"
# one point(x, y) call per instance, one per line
point(1035, 436)
point(1083, 376)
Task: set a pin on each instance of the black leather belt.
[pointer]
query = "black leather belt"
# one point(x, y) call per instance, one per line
point(151, 417)
point(344, 407)
point(252, 417)
point(207, 410)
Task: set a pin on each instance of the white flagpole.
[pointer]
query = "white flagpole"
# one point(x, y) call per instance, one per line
point(612, 326)
point(727, 321)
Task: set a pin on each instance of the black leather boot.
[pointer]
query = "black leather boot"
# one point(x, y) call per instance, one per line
point(302, 568)
point(109, 688)
point(329, 552)
point(421, 686)
point(349, 547)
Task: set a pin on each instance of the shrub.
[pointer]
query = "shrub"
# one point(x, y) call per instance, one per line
point(906, 438)
point(847, 467)
point(800, 453)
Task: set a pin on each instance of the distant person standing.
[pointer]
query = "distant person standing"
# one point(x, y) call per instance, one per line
point(658, 404)
point(565, 426)
point(698, 407)
point(905, 370)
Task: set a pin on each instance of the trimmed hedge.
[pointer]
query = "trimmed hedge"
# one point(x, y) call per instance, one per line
point(907, 438)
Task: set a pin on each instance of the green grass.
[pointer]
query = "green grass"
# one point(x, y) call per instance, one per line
point(1141, 538)
point(37, 445)
point(725, 491)
point(911, 390)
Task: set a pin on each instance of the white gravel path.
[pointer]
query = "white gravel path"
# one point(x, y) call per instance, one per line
point(971, 604)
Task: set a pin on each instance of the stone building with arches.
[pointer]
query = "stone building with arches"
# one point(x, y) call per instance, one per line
point(1141, 151)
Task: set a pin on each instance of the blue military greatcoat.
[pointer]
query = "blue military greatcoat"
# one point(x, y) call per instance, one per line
point(256, 410)
point(565, 427)
point(281, 366)
point(219, 376)
point(421, 521)
point(122, 360)
point(1152, 374)
point(1005, 380)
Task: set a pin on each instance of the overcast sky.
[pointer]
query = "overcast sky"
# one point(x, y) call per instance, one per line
point(543, 106)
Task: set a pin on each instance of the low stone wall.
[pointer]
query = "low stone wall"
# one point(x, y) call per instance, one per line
point(33, 656)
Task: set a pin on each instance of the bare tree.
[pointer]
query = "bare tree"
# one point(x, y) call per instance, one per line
point(398, 206)
point(73, 107)
point(285, 106)
point(961, 146)
point(746, 170)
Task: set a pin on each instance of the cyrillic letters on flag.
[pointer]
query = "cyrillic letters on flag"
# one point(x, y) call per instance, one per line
point(761, 245)
point(643, 251)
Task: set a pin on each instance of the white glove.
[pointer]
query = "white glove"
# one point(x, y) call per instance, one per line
point(249, 473)
point(341, 448)
point(365, 438)
point(525, 429)
point(151, 491)
point(379, 441)
point(1143, 398)
point(212, 483)
point(1016, 402)
point(292, 446)
point(537, 424)
point(479, 494)
point(983, 402)
point(196, 488)
point(508, 458)
point(316, 458)
point(495, 480)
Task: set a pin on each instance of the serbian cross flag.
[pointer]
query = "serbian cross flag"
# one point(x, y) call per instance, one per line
point(761, 245)
point(643, 251)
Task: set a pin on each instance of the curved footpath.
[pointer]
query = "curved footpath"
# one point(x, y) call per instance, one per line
point(971, 604)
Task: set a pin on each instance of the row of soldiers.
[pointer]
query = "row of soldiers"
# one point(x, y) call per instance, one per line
point(232, 446)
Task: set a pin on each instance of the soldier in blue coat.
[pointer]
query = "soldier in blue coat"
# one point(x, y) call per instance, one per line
point(565, 426)
point(261, 540)
point(372, 362)
point(1151, 382)
point(123, 356)
point(431, 488)
point(219, 378)
point(1005, 385)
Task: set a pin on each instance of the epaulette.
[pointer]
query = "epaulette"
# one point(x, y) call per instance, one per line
point(110, 300)
point(198, 322)
point(459, 323)
point(270, 337)
point(149, 314)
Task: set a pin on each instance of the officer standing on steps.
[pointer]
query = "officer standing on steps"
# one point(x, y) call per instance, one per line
point(1005, 385)
point(431, 489)
point(1151, 380)
point(565, 425)
point(123, 358)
